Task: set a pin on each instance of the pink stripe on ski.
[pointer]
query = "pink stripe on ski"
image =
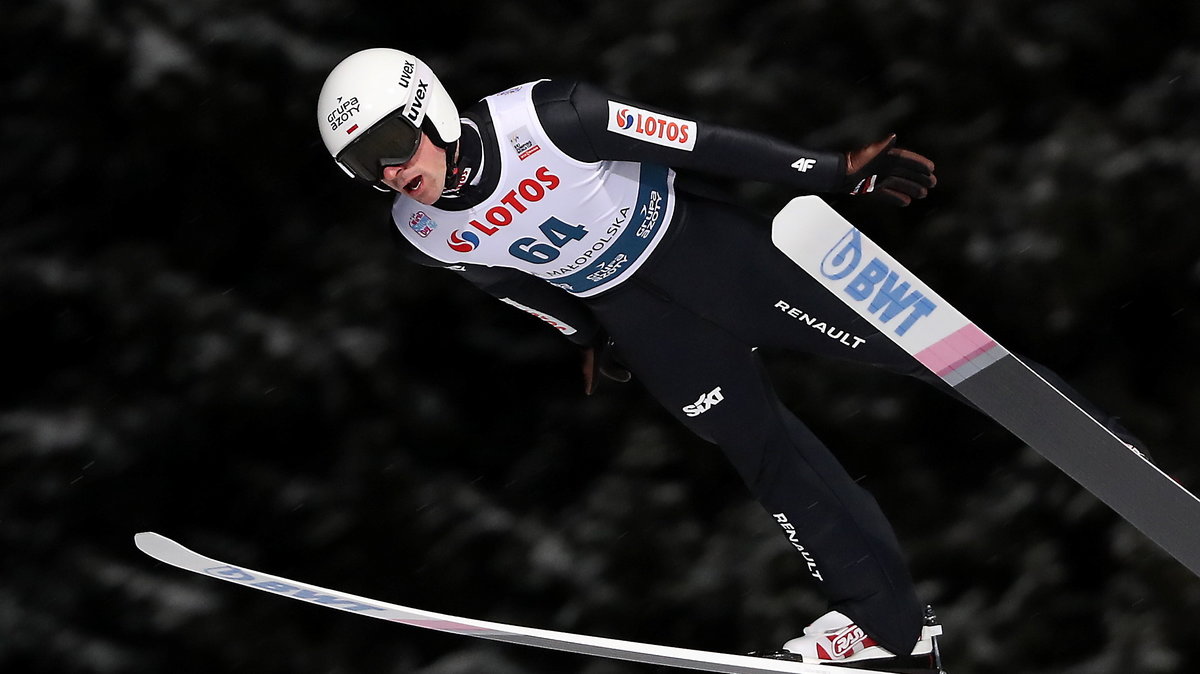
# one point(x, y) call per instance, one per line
point(959, 348)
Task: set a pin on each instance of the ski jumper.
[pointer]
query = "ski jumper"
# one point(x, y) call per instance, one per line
point(571, 204)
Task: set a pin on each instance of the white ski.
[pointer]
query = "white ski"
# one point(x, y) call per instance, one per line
point(167, 550)
point(899, 305)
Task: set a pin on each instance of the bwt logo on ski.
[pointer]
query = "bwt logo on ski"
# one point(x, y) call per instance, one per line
point(704, 403)
point(244, 577)
point(875, 281)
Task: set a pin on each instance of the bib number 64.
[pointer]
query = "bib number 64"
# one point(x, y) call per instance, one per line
point(537, 251)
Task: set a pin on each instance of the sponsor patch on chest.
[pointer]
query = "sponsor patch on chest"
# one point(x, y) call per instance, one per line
point(522, 142)
point(422, 224)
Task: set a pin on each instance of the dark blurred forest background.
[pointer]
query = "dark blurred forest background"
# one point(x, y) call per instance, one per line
point(207, 333)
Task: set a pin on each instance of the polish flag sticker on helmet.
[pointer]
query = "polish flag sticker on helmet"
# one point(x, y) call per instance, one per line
point(651, 127)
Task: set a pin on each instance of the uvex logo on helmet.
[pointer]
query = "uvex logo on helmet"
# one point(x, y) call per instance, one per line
point(406, 74)
point(416, 109)
point(415, 112)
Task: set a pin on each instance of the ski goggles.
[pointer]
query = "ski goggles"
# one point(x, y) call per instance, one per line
point(392, 141)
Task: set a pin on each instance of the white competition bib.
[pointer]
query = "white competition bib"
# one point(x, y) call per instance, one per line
point(581, 226)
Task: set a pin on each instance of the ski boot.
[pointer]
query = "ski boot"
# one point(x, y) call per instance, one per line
point(833, 639)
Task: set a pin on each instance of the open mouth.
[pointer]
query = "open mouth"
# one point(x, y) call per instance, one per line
point(413, 185)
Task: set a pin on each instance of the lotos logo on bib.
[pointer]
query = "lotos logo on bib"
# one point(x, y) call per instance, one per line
point(463, 242)
point(516, 202)
point(651, 127)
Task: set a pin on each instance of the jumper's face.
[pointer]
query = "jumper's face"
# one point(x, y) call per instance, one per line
point(423, 176)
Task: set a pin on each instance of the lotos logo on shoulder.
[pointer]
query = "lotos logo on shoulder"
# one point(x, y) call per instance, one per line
point(873, 281)
point(270, 584)
point(652, 127)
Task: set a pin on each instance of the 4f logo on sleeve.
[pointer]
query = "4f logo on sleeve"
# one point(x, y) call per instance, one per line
point(803, 164)
point(704, 403)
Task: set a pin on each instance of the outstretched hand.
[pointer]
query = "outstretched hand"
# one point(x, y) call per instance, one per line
point(885, 171)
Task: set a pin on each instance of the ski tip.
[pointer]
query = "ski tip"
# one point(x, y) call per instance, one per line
point(148, 541)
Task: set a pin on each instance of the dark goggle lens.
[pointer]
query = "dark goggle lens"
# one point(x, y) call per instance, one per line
point(390, 142)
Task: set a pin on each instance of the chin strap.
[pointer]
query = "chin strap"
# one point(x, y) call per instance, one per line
point(452, 166)
point(451, 149)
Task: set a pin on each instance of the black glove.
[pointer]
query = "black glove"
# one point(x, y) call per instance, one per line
point(885, 171)
point(600, 360)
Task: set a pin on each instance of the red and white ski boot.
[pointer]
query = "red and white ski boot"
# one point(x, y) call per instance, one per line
point(834, 639)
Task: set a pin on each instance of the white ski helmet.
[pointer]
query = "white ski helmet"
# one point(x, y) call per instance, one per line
point(373, 107)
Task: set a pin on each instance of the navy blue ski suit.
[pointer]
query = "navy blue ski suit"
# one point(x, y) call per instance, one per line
point(689, 320)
